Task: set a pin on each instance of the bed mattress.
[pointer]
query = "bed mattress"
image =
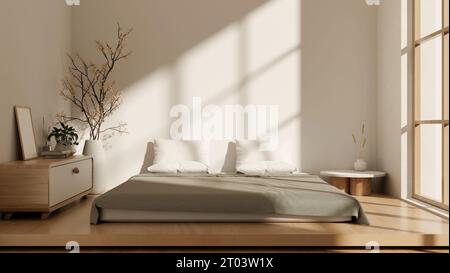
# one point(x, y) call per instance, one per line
point(120, 215)
point(226, 198)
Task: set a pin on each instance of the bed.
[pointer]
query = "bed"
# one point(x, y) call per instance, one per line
point(226, 198)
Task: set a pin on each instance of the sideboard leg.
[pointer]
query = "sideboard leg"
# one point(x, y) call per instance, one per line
point(45, 215)
point(7, 215)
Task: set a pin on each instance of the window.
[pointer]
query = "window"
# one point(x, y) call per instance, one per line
point(431, 95)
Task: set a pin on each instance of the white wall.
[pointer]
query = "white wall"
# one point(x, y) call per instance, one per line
point(330, 65)
point(316, 59)
point(338, 82)
point(35, 36)
point(394, 112)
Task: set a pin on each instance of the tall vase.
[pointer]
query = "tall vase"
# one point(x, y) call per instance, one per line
point(95, 149)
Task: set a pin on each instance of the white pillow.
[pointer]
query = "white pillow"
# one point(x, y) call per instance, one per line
point(266, 168)
point(180, 155)
point(258, 168)
point(279, 167)
point(192, 167)
point(251, 160)
point(164, 168)
point(222, 156)
point(182, 167)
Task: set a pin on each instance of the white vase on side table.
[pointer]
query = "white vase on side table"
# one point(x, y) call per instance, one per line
point(95, 149)
point(360, 165)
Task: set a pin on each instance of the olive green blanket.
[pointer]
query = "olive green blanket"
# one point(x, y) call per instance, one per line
point(293, 195)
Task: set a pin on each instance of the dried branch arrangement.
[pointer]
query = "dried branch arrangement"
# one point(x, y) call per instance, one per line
point(361, 142)
point(89, 88)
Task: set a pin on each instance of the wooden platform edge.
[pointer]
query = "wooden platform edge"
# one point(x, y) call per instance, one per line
point(282, 240)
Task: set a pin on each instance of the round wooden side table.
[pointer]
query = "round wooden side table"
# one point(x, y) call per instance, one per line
point(353, 182)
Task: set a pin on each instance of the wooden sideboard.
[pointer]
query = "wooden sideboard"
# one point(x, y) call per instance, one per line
point(43, 185)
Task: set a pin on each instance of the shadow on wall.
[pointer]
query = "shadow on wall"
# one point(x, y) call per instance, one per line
point(164, 30)
point(285, 52)
point(225, 53)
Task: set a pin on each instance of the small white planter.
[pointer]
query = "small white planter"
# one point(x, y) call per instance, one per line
point(360, 165)
point(61, 147)
point(95, 149)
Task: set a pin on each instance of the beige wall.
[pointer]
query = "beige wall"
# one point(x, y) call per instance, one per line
point(330, 65)
point(316, 59)
point(394, 111)
point(388, 113)
point(35, 36)
point(338, 82)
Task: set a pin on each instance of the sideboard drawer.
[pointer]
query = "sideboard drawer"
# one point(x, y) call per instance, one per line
point(68, 180)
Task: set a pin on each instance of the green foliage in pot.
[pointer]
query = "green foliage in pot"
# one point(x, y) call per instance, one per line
point(66, 135)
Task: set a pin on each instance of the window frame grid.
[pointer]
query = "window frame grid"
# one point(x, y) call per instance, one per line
point(444, 122)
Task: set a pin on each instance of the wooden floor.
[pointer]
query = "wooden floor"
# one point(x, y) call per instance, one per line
point(239, 250)
point(394, 223)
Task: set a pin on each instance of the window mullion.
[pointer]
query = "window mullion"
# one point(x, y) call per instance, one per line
point(443, 120)
point(443, 103)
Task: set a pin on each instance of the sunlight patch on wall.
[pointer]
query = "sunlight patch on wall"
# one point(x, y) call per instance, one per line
point(154, 92)
point(272, 30)
point(210, 67)
point(404, 91)
point(143, 108)
point(406, 51)
point(404, 166)
point(404, 24)
point(254, 61)
point(280, 85)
